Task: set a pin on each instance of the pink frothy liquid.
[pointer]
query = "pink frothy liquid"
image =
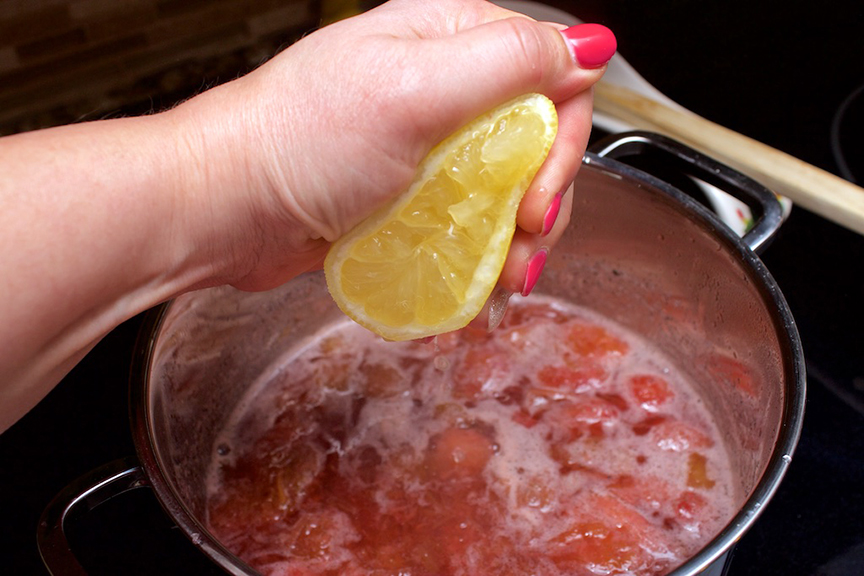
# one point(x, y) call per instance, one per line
point(557, 444)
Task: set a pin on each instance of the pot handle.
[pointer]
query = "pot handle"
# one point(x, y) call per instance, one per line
point(769, 215)
point(83, 495)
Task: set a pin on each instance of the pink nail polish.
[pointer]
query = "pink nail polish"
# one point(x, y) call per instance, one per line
point(592, 45)
point(535, 267)
point(551, 214)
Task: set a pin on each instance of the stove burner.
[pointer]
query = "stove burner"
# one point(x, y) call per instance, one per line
point(847, 127)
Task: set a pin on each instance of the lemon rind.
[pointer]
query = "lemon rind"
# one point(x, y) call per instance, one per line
point(488, 268)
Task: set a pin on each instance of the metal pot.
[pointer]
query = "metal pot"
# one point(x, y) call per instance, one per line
point(638, 251)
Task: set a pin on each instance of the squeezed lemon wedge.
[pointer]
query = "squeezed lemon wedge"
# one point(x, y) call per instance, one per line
point(425, 263)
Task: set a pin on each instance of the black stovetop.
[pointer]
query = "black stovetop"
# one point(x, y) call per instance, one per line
point(777, 73)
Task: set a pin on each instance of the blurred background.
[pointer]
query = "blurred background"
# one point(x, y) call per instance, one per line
point(72, 60)
point(788, 74)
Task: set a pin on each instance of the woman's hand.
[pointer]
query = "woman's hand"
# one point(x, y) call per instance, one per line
point(248, 183)
point(304, 148)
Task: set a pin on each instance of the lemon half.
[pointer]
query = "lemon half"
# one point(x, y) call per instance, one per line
point(425, 263)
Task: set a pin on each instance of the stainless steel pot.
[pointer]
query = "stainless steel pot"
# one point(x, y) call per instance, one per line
point(638, 251)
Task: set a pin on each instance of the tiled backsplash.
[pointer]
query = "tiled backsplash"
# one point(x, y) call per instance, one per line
point(63, 61)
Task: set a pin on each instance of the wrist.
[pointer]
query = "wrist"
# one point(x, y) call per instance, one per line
point(235, 206)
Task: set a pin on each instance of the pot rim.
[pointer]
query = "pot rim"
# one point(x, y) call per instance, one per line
point(781, 456)
point(142, 435)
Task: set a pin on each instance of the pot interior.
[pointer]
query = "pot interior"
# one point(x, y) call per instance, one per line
point(636, 252)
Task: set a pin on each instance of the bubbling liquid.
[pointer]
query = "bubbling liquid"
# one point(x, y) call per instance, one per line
point(557, 444)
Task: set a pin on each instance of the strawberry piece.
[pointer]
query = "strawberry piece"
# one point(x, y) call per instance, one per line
point(459, 453)
point(650, 391)
point(591, 340)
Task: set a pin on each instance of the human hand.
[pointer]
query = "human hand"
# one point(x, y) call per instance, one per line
point(248, 183)
point(301, 150)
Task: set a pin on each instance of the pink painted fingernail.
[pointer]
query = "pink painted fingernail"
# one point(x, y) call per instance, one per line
point(535, 267)
point(551, 214)
point(592, 45)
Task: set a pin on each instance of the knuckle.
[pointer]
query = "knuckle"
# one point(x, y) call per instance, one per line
point(529, 48)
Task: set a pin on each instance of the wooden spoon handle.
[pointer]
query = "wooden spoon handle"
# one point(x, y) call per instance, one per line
point(813, 188)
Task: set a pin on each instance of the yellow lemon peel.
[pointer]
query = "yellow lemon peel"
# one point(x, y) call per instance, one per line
point(425, 263)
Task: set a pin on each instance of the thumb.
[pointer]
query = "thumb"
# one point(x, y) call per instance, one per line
point(483, 66)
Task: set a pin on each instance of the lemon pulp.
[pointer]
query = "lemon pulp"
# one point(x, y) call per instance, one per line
point(425, 263)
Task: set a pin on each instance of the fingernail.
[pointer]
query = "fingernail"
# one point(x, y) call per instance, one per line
point(535, 267)
point(592, 45)
point(551, 214)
